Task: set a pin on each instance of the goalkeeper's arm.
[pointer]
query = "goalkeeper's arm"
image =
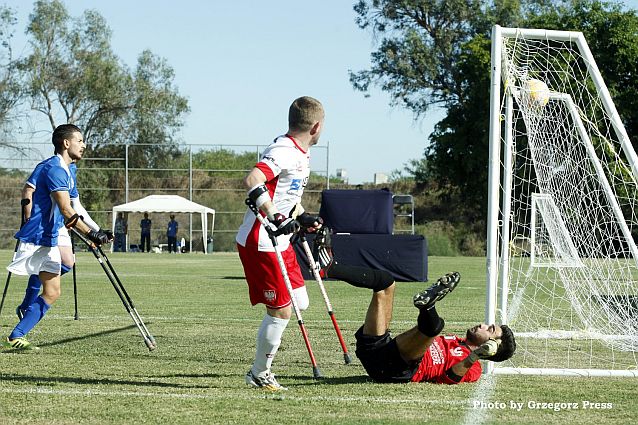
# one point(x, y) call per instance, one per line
point(456, 373)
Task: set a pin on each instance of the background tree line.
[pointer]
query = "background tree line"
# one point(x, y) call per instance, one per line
point(70, 74)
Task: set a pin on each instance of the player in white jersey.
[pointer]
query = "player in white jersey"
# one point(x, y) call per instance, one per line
point(276, 185)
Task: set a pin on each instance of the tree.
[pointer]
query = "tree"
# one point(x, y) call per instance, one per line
point(438, 53)
point(73, 75)
point(9, 78)
point(421, 41)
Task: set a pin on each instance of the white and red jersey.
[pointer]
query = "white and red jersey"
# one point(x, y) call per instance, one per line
point(286, 167)
point(445, 352)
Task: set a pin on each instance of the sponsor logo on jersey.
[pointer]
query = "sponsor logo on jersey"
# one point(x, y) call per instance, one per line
point(295, 184)
point(269, 158)
point(270, 294)
point(436, 353)
point(457, 352)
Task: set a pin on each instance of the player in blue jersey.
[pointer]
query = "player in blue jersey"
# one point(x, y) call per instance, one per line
point(51, 208)
point(64, 240)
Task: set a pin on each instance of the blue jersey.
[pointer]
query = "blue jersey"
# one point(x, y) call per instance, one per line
point(33, 178)
point(171, 230)
point(53, 175)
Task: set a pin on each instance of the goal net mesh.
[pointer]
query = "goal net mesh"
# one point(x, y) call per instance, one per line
point(570, 261)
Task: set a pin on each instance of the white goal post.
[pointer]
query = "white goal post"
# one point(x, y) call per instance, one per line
point(562, 262)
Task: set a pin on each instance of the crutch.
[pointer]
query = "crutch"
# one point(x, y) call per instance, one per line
point(23, 203)
point(119, 289)
point(315, 271)
point(273, 237)
point(75, 286)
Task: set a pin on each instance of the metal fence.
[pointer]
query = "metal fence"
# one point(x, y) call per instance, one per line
point(118, 178)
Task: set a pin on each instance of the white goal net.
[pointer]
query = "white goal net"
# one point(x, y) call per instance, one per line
point(562, 257)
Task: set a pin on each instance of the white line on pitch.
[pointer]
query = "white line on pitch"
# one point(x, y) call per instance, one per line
point(249, 394)
point(483, 392)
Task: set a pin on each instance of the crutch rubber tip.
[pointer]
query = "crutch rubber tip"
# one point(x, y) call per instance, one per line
point(150, 345)
point(316, 372)
point(346, 358)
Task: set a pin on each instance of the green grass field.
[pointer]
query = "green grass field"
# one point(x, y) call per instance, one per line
point(97, 370)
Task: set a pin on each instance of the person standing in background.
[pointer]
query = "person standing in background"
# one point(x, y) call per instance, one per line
point(120, 230)
point(171, 233)
point(145, 226)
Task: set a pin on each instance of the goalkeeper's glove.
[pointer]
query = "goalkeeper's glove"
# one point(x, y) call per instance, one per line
point(98, 237)
point(285, 225)
point(310, 223)
point(322, 248)
point(485, 351)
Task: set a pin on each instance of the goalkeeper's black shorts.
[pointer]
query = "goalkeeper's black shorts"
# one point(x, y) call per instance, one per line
point(380, 357)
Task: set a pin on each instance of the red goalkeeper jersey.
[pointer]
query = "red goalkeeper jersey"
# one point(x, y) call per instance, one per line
point(445, 352)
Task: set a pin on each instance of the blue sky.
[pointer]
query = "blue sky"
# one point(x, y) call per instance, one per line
point(240, 63)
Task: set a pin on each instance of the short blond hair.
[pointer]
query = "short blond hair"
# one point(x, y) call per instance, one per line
point(304, 113)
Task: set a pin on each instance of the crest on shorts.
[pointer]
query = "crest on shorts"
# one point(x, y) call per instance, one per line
point(270, 294)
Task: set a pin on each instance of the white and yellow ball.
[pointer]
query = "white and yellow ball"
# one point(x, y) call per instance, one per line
point(536, 92)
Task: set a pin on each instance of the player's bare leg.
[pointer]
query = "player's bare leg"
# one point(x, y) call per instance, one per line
point(50, 287)
point(379, 314)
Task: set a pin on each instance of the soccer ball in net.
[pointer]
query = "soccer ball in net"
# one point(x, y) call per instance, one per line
point(536, 92)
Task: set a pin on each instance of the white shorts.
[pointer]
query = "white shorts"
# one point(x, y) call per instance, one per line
point(32, 259)
point(64, 239)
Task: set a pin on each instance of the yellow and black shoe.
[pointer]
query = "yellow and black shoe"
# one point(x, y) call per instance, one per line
point(18, 344)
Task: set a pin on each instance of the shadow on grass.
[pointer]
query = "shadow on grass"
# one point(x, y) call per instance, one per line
point(328, 380)
point(91, 381)
point(93, 335)
point(195, 375)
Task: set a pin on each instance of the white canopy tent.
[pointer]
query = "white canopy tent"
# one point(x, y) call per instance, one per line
point(169, 204)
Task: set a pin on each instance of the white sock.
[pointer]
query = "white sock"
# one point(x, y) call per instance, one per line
point(268, 341)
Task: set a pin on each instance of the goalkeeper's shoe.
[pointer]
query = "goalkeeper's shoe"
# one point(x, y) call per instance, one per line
point(266, 382)
point(20, 343)
point(20, 313)
point(443, 286)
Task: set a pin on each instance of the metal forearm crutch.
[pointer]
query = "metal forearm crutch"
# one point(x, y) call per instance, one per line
point(119, 289)
point(75, 286)
point(23, 203)
point(315, 271)
point(282, 266)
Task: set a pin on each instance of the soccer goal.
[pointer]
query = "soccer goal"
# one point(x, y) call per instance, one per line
point(562, 259)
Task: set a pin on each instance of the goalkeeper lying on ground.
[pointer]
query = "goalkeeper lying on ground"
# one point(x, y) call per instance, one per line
point(419, 354)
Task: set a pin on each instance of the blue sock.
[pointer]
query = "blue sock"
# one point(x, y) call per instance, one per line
point(32, 316)
point(32, 292)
